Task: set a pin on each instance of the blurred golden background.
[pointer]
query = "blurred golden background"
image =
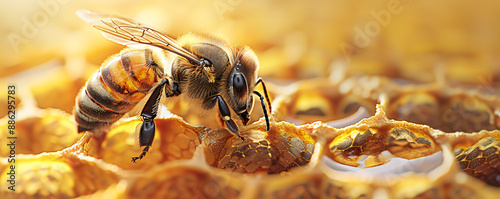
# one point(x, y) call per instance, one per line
point(49, 53)
point(405, 39)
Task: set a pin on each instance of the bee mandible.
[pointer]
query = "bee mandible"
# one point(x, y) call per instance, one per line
point(205, 70)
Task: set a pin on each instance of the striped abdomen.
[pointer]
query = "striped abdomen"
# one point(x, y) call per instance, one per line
point(116, 88)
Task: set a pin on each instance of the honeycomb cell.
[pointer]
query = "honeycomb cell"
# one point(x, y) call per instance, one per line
point(319, 100)
point(178, 139)
point(417, 107)
point(50, 130)
point(57, 175)
point(481, 160)
point(363, 146)
point(312, 106)
point(418, 188)
point(347, 190)
point(42, 179)
point(57, 132)
point(291, 186)
point(467, 114)
point(350, 103)
point(185, 182)
point(173, 140)
point(276, 151)
point(405, 144)
point(119, 145)
point(462, 192)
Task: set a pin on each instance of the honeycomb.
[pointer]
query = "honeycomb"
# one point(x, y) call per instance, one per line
point(398, 118)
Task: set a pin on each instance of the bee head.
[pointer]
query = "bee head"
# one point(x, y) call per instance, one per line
point(242, 82)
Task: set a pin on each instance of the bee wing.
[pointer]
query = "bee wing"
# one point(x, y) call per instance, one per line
point(129, 32)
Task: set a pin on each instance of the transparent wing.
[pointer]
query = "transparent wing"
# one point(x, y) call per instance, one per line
point(128, 32)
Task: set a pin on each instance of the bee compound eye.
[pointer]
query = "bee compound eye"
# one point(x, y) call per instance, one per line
point(240, 87)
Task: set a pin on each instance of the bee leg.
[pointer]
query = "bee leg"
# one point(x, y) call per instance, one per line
point(146, 137)
point(263, 104)
point(226, 116)
point(148, 114)
point(260, 81)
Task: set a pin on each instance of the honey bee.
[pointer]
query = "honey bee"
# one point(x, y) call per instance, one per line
point(206, 71)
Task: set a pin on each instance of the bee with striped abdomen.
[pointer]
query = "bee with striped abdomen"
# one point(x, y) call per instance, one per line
point(206, 71)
